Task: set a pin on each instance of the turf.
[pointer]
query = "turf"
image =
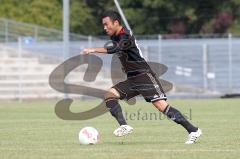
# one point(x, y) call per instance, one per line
point(32, 130)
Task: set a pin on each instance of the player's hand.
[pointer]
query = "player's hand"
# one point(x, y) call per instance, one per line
point(88, 50)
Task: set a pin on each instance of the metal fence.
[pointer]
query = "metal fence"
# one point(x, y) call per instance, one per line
point(196, 63)
point(10, 31)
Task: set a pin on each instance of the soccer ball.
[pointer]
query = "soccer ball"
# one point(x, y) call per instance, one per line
point(88, 136)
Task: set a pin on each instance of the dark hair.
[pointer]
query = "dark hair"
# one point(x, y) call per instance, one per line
point(113, 15)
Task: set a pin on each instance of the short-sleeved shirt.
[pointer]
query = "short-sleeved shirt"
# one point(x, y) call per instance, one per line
point(129, 54)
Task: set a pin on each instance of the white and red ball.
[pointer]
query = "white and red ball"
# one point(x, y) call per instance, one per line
point(88, 136)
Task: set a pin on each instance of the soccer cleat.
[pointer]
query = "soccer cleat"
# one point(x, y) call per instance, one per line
point(123, 130)
point(193, 136)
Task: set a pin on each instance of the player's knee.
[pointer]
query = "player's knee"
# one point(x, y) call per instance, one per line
point(160, 105)
point(111, 93)
point(107, 96)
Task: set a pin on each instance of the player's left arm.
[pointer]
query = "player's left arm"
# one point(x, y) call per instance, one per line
point(95, 50)
point(124, 43)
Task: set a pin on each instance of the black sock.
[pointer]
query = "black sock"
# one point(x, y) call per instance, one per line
point(116, 111)
point(177, 117)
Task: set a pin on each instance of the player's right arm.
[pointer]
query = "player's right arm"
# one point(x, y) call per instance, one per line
point(95, 50)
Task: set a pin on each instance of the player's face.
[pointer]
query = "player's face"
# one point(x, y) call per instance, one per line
point(109, 26)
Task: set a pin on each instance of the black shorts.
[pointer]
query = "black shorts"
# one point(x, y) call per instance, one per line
point(145, 84)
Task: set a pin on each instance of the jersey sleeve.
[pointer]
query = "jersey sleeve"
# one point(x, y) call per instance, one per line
point(121, 45)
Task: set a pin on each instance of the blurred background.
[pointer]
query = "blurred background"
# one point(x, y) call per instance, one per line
point(197, 40)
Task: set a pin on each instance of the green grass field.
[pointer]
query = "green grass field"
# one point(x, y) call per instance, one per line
point(32, 130)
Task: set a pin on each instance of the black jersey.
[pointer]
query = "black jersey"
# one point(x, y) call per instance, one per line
point(124, 45)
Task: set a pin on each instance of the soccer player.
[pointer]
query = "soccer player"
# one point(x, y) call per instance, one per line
point(141, 80)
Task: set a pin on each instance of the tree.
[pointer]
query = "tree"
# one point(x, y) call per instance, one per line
point(144, 16)
point(81, 19)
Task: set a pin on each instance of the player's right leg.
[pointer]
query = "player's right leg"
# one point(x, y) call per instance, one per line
point(111, 99)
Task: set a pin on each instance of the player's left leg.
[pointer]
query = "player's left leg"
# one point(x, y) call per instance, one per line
point(176, 116)
point(152, 90)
